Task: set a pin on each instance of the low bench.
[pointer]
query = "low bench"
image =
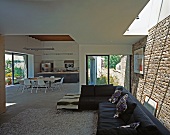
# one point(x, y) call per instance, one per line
point(69, 101)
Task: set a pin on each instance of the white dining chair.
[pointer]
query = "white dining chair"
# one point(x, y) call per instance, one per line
point(52, 82)
point(21, 84)
point(34, 84)
point(40, 84)
point(27, 84)
point(59, 84)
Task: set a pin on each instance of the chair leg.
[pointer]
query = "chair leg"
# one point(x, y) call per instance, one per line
point(36, 89)
point(18, 87)
point(62, 86)
point(51, 88)
point(45, 89)
point(23, 89)
point(59, 87)
point(31, 89)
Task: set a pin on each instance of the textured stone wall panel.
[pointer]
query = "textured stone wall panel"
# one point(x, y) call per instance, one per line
point(155, 82)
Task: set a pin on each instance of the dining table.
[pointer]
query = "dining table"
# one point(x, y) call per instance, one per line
point(45, 79)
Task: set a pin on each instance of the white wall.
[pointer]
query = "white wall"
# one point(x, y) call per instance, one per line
point(98, 50)
point(63, 50)
point(17, 43)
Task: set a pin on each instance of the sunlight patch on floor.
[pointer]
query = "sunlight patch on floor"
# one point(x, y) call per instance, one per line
point(9, 104)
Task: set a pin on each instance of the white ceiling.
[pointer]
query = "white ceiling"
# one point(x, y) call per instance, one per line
point(97, 22)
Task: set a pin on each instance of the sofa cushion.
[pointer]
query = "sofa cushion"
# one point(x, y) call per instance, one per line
point(146, 125)
point(106, 123)
point(119, 88)
point(104, 90)
point(129, 111)
point(86, 103)
point(100, 99)
point(121, 106)
point(87, 90)
point(115, 97)
point(106, 120)
point(132, 125)
point(117, 131)
point(106, 105)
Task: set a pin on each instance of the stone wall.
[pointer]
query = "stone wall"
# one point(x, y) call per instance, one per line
point(155, 83)
point(137, 79)
point(2, 76)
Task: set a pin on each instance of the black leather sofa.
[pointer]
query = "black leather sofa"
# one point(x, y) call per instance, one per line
point(92, 95)
point(108, 125)
point(96, 98)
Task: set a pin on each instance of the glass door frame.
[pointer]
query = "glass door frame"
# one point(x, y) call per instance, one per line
point(19, 54)
point(87, 67)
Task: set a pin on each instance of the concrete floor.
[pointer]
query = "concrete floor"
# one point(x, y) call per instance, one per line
point(27, 100)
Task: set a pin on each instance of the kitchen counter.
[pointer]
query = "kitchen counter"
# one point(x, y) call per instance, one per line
point(65, 72)
point(69, 76)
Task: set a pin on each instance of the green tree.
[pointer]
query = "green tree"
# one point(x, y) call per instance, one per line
point(18, 71)
point(113, 61)
point(8, 63)
point(8, 68)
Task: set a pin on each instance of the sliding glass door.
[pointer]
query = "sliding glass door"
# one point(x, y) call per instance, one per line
point(15, 67)
point(8, 69)
point(97, 69)
point(20, 67)
point(105, 69)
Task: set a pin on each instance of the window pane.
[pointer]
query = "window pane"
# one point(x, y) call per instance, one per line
point(97, 70)
point(8, 69)
point(115, 70)
point(20, 68)
point(120, 70)
point(116, 67)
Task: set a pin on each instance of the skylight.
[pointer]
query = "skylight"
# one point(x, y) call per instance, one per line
point(148, 17)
